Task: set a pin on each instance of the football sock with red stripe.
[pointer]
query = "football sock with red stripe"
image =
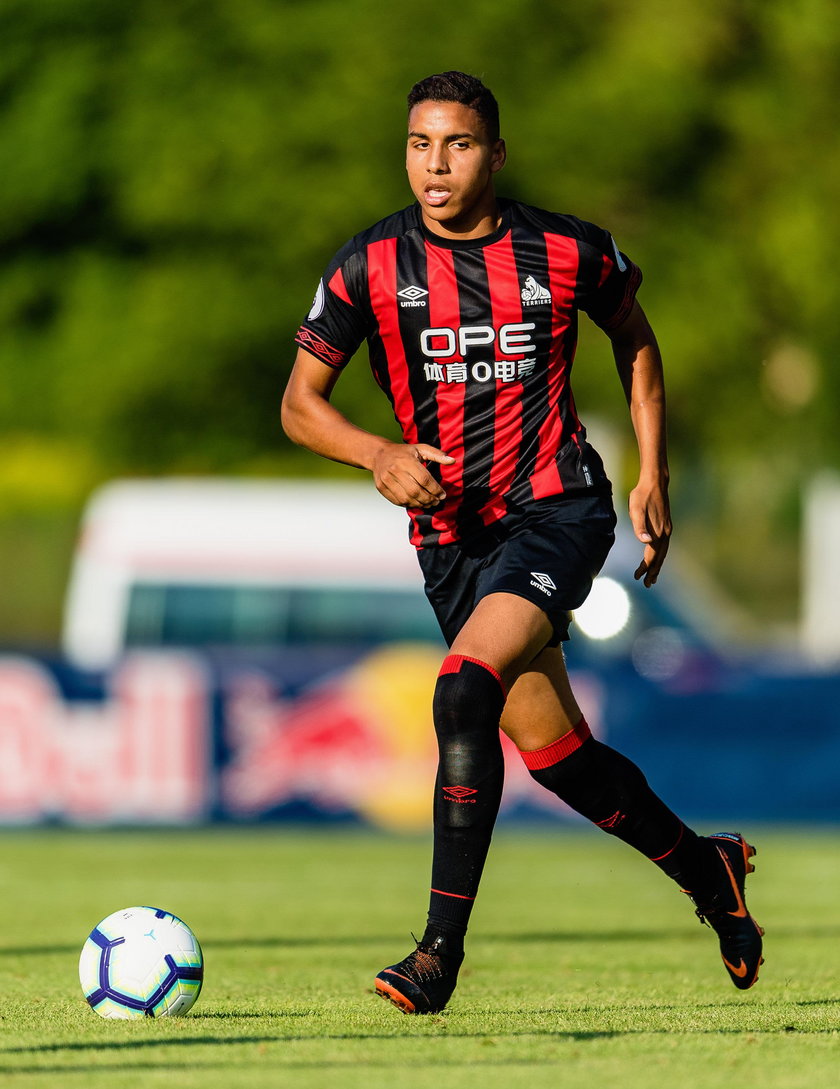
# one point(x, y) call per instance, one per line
point(467, 706)
point(609, 790)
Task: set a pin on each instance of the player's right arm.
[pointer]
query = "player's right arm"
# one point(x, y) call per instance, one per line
point(308, 418)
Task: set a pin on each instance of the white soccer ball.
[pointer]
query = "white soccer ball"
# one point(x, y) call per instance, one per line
point(141, 962)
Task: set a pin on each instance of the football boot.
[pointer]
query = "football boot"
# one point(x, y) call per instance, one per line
point(424, 981)
point(725, 910)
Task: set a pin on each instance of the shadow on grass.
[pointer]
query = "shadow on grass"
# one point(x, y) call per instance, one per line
point(570, 1036)
point(652, 933)
point(295, 1064)
point(557, 937)
point(140, 1045)
point(450, 1023)
point(39, 950)
point(344, 941)
point(304, 942)
point(250, 942)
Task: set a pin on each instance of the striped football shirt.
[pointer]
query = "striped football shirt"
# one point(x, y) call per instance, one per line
point(473, 342)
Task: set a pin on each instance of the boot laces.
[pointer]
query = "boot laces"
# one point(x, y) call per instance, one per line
point(424, 964)
point(714, 915)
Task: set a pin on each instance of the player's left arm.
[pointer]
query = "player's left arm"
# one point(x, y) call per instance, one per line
point(639, 365)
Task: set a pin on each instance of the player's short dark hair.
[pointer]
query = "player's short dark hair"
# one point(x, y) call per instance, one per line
point(461, 88)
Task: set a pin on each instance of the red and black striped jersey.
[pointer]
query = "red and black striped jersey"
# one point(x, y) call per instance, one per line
point(473, 343)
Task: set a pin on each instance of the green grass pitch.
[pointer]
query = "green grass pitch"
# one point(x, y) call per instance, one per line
point(585, 967)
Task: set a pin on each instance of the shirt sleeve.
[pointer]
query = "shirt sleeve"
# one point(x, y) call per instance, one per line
point(336, 324)
point(609, 280)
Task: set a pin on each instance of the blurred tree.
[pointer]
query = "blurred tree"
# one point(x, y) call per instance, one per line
point(177, 173)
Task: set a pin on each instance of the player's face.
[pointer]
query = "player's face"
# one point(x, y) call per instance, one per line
point(451, 162)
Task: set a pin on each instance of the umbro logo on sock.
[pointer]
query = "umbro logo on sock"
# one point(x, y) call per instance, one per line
point(460, 794)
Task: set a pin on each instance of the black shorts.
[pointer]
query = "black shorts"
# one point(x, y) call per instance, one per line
point(547, 552)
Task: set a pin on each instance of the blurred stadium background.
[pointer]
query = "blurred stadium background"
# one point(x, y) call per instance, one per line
point(175, 177)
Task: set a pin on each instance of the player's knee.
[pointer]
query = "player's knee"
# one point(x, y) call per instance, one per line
point(468, 704)
point(469, 697)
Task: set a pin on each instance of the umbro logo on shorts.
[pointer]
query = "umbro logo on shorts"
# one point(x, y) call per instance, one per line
point(412, 296)
point(542, 582)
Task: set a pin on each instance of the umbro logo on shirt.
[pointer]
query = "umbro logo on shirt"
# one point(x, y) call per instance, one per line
point(533, 293)
point(412, 296)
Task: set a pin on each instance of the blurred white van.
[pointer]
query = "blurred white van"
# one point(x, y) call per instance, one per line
point(191, 562)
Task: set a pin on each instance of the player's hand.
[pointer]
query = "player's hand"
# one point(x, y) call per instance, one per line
point(400, 474)
point(650, 516)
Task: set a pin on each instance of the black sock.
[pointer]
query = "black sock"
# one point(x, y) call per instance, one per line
point(609, 790)
point(467, 707)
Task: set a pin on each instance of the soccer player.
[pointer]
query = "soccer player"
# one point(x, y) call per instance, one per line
point(468, 303)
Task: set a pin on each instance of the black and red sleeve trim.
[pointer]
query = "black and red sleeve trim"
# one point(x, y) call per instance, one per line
point(318, 347)
point(634, 281)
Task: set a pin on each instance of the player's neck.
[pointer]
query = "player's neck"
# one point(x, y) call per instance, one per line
point(480, 221)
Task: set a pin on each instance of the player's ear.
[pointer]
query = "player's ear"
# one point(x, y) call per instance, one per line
point(499, 156)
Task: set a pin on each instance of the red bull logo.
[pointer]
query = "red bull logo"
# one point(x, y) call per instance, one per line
point(360, 743)
point(363, 742)
point(139, 755)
